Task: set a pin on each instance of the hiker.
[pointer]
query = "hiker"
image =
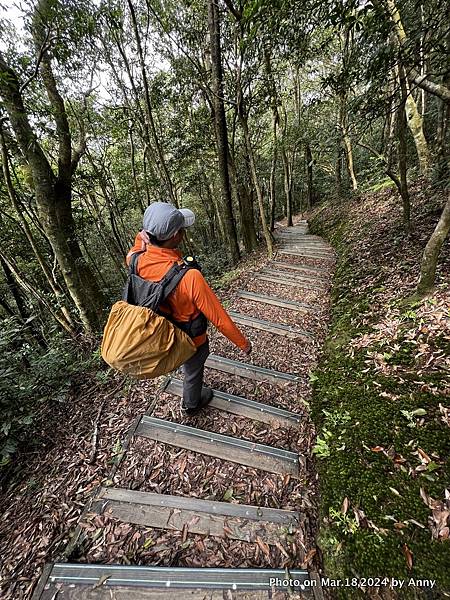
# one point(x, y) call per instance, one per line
point(192, 304)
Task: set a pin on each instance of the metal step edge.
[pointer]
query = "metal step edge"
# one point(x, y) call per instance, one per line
point(176, 577)
point(209, 507)
point(211, 436)
point(214, 360)
point(175, 386)
point(281, 326)
point(291, 303)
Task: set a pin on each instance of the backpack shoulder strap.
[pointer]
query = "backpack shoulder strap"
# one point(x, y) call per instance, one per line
point(172, 278)
point(132, 267)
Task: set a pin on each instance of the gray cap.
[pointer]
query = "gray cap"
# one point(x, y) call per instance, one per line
point(163, 220)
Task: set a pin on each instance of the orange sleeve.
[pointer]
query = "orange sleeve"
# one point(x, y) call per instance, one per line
point(207, 302)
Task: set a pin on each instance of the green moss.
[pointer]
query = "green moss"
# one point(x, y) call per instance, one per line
point(387, 491)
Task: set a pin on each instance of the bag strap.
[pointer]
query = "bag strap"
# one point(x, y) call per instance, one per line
point(132, 267)
point(172, 278)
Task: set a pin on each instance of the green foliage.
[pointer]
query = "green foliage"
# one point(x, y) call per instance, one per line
point(28, 377)
point(332, 433)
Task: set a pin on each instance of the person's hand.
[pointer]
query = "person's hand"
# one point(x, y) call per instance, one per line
point(248, 347)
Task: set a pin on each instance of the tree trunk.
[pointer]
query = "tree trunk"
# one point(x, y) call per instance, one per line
point(415, 121)
point(443, 116)
point(133, 170)
point(248, 231)
point(287, 179)
point(221, 130)
point(57, 291)
point(254, 175)
point(53, 193)
point(347, 144)
point(415, 124)
point(338, 171)
point(30, 289)
point(31, 332)
point(309, 166)
point(149, 112)
point(272, 190)
point(276, 120)
point(402, 164)
point(432, 250)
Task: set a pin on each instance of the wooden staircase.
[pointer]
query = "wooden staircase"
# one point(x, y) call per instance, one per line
point(192, 515)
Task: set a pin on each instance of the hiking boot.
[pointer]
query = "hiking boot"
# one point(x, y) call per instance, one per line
point(205, 399)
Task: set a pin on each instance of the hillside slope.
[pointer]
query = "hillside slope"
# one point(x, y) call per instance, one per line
point(381, 400)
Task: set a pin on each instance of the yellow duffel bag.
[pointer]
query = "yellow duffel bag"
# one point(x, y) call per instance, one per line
point(141, 343)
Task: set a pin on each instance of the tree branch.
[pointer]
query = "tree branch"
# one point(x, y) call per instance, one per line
point(237, 14)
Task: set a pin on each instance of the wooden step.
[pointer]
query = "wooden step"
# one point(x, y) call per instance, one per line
point(192, 515)
point(304, 253)
point(295, 274)
point(300, 234)
point(307, 249)
point(318, 272)
point(286, 281)
point(294, 229)
point(312, 282)
point(129, 582)
point(243, 452)
point(248, 370)
point(296, 245)
point(305, 244)
point(275, 328)
point(304, 239)
point(291, 236)
point(274, 301)
point(242, 406)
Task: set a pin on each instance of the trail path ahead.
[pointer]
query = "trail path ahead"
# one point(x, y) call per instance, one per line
point(232, 489)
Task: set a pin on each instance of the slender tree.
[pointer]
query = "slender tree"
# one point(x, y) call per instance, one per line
point(221, 128)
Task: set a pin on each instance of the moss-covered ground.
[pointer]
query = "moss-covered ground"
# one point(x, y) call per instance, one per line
point(381, 398)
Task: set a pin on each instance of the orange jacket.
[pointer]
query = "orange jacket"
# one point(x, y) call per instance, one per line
point(191, 296)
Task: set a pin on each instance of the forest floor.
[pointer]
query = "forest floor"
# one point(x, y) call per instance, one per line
point(80, 444)
point(382, 397)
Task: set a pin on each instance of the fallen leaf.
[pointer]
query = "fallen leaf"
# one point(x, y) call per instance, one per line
point(424, 455)
point(309, 556)
point(345, 505)
point(408, 555)
point(102, 580)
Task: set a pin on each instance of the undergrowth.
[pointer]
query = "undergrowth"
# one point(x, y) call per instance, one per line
point(32, 378)
point(381, 400)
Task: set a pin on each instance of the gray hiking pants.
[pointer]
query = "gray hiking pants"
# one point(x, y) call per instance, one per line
point(193, 376)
